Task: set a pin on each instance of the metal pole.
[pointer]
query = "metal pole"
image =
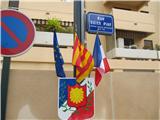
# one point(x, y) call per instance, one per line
point(79, 22)
point(4, 85)
point(5, 73)
point(79, 19)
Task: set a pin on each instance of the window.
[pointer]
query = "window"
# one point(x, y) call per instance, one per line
point(148, 44)
point(14, 4)
point(128, 41)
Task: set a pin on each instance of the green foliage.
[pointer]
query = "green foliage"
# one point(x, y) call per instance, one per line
point(55, 24)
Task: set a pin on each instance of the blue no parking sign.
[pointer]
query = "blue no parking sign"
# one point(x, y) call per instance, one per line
point(17, 33)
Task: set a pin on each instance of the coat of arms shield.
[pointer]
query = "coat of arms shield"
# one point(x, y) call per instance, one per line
point(75, 101)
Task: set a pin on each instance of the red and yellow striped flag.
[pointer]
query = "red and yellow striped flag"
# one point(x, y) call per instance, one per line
point(82, 59)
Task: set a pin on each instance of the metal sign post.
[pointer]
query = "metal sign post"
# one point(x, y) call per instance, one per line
point(79, 19)
point(4, 85)
point(79, 22)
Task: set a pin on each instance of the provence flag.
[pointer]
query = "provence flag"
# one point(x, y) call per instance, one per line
point(82, 59)
point(58, 58)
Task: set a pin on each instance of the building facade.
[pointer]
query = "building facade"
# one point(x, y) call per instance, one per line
point(130, 90)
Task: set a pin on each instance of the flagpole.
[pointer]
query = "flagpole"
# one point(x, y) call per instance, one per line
point(79, 22)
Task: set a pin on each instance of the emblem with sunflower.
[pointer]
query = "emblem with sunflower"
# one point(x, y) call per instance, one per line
point(76, 96)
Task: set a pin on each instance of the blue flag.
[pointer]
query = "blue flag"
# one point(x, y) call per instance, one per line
point(58, 58)
point(97, 52)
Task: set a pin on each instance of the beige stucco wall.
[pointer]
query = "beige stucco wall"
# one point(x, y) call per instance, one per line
point(154, 9)
point(131, 95)
point(56, 9)
point(126, 95)
point(39, 9)
point(4, 4)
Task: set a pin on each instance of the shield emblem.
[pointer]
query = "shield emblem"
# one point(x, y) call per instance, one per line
point(75, 101)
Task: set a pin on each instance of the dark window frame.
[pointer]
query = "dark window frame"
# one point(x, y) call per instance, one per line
point(148, 44)
point(13, 4)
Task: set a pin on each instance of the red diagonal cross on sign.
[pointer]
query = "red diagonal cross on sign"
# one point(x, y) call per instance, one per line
point(24, 44)
point(4, 26)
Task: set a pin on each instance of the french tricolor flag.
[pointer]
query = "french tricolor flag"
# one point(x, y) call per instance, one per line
point(100, 61)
